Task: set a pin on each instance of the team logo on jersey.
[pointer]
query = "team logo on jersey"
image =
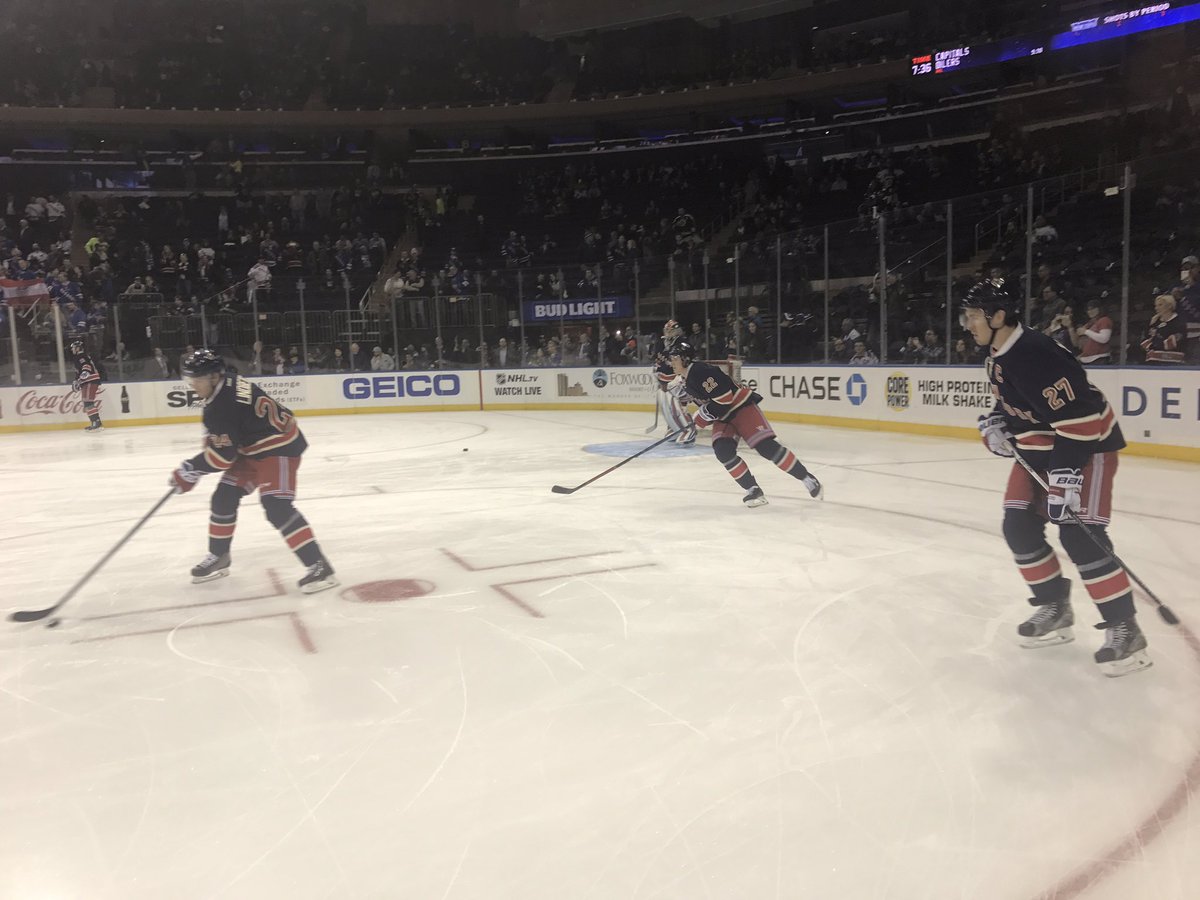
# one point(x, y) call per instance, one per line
point(899, 392)
point(219, 440)
point(856, 389)
point(599, 378)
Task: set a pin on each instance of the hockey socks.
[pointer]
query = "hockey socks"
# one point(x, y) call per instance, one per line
point(299, 536)
point(220, 532)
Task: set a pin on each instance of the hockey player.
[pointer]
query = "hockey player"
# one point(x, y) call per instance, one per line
point(1064, 427)
point(88, 379)
point(673, 398)
point(255, 444)
point(732, 411)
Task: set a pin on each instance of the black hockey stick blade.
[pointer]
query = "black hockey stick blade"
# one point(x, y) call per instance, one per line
point(559, 489)
point(33, 615)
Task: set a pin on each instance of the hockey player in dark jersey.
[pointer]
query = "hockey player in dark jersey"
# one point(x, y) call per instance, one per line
point(87, 382)
point(254, 444)
point(673, 398)
point(1065, 429)
point(732, 411)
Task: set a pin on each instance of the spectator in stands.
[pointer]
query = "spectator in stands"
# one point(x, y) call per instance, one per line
point(754, 345)
point(278, 362)
point(1166, 336)
point(259, 281)
point(850, 334)
point(295, 364)
point(1094, 337)
point(504, 355)
point(159, 367)
point(1062, 327)
point(933, 350)
point(1051, 307)
point(1043, 231)
point(359, 362)
point(862, 356)
point(912, 353)
point(1187, 304)
point(380, 361)
point(962, 354)
point(338, 362)
point(75, 323)
point(699, 341)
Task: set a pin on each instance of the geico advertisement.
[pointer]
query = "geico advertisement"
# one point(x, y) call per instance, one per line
point(434, 386)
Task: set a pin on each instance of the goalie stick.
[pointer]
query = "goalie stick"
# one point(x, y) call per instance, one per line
point(33, 615)
point(559, 489)
point(1164, 611)
point(653, 428)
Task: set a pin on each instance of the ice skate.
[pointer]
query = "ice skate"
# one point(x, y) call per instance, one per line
point(814, 487)
point(755, 497)
point(318, 578)
point(211, 568)
point(1051, 624)
point(95, 426)
point(1124, 649)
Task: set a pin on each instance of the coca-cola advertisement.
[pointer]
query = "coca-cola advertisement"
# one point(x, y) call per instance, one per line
point(55, 401)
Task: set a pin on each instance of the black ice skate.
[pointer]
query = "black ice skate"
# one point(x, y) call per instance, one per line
point(1051, 624)
point(95, 426)
point(319, 578)
point(755, 497)
point(1124, 649)
point(814, 487)
point(210, 568)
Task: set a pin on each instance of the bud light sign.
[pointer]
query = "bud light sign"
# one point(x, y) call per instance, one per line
point(602, 307)
point(395, 387)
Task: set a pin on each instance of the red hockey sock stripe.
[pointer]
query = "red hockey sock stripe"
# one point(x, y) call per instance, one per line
point(298, 539)
point(789, 460)
point(1108, 587)
point(739, 469)
point(1043, 570)
point(221, 531)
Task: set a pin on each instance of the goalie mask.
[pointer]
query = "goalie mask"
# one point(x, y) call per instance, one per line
point(77, 348)
point(672, 331)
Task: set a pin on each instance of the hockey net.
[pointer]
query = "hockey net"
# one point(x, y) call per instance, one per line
point(732, 368)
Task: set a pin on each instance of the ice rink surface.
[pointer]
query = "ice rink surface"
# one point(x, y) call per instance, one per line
point(642, 690)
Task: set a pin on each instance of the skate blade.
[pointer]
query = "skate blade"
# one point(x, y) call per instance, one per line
point(316, 586)
point(1052, 639)
point(1134, 662)
point(211, 576)
point(760, 501)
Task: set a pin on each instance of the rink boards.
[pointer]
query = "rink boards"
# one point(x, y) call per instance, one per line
point(1159, 409)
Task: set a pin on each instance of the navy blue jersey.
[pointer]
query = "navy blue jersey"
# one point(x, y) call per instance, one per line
point(718, 396)
point(240, 419)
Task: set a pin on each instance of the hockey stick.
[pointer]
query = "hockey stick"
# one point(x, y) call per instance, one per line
point(653, 428)
point(1163, 610)
point(33, 615)
point(559, 489)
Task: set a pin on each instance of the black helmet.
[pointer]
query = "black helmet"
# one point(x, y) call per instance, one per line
point(201, 362)
point(684, 350)
point(992, 295)
point(77, 348)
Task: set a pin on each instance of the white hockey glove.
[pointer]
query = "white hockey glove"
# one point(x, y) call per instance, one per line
point(995, 433)
point(75, 386)
point(185, 477)
point(703, 417)
point(1065, 485)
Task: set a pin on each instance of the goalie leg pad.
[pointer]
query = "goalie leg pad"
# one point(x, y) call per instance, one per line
point(673, 412)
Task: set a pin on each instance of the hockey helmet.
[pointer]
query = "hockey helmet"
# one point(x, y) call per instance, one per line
point(77, 348)
point(992, 295)
point(684, 350)
point(672, 330)
point(201, 362)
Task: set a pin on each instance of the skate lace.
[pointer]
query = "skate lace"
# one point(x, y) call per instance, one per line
point(209, 559)
point(1047, 613)
point(1117, 635)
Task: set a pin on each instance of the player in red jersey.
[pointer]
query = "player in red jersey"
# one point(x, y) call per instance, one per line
point(732, 411)
point(254, 444)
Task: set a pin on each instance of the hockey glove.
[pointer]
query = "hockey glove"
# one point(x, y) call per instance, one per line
point(1065, 485)
point(702, 418)
point(995, 433)
point(185, 477)
point(75, 385)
